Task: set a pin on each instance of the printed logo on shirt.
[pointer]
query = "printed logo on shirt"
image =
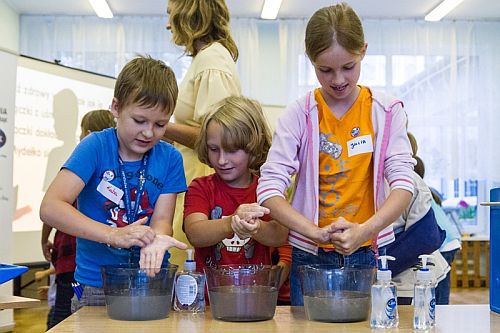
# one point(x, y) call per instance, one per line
point(334, 149)
point(118, 213)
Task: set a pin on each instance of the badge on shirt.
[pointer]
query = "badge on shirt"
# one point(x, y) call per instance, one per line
point(110, 191)
point(360, 145)
point(108, 175)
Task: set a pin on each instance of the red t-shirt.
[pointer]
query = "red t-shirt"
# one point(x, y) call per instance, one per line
point(64, 253)
point(211, 196)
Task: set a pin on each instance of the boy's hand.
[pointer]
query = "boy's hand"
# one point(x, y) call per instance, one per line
point(249, 212)
point(47, 250)
point(135, 234)
point(152, 254)
point(243, 228)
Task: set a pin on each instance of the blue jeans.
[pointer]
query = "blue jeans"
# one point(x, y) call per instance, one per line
point(363, 256)
point(443, 287)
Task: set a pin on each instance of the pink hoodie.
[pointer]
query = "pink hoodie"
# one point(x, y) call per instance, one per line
point(295, 150)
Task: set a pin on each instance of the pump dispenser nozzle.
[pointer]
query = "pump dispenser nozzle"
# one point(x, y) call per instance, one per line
point(384, 273)
point(424, 273)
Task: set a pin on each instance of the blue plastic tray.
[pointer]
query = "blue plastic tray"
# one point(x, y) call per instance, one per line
point(8, 272)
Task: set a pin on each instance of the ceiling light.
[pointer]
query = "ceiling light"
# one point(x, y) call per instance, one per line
point(442, 10)
point(101, 8)
point(270, 9)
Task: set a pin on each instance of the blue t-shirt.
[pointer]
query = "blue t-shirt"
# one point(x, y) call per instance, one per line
point(96, 157)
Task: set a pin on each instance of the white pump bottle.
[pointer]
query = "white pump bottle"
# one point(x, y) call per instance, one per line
point(424, 297)
point(384, 312)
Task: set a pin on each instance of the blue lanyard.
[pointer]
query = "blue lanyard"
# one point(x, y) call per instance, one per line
point(132, 211)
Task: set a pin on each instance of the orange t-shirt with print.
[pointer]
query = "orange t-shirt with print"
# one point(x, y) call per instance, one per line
point(345, 162)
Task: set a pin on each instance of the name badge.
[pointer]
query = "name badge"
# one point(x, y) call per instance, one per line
point(110, 191)
point(360, 145)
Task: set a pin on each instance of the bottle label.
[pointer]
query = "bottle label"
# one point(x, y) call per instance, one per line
point(390, 308)
point(432, 308)
point(186, 289)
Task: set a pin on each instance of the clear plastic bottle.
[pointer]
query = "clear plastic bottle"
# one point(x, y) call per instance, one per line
point(189, 287)
point(384, 312)
point(424, 298)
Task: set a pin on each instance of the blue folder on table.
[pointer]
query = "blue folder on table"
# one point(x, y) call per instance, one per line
point(8, 272)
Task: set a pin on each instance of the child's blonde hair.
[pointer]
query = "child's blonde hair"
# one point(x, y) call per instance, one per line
point(244, 127)
point(97, 120)
point(146, 82)
point(206, 21)
point(334, 24)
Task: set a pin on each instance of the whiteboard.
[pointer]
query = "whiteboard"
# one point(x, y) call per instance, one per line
point(50, 101)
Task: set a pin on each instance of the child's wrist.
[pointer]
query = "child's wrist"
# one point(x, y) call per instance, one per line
point(110, 236)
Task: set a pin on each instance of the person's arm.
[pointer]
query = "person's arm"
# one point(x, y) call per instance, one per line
point(283, 212)
point(246, 223)
point(57, 211)
point(285, 262)
point(46, 244)
point(350, 236)
point(203, 232)
point(271, 233)
point(161, 223)
point(186, 135)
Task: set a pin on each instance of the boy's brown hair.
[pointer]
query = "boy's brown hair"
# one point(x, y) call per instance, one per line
point(97, 120)
point(244, 127)
point(146, 82)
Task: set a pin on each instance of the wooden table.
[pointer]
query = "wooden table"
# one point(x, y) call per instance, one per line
point(450, 318)
point(16, 302)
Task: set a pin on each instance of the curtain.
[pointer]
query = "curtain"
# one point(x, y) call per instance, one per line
point(446, 73)
point(105, 46)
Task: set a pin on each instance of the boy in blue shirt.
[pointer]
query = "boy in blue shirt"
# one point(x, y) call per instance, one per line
point(125, 181)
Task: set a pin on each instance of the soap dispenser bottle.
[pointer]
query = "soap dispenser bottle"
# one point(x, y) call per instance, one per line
point(424, 297)
point(384, 311)
point(189, 287)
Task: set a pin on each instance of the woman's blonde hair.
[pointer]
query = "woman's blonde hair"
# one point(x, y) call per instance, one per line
point(338, 23)
point(201, 20)
point(244, 127)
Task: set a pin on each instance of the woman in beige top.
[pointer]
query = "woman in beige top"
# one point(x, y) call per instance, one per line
point(202, 27)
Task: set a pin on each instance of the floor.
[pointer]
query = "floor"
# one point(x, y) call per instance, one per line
point(34, 320)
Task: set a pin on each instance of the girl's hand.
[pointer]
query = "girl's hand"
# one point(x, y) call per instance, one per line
point(243, 228)
point(249, 212)
point(346, 236)
point(135, 234)
point(153, 253)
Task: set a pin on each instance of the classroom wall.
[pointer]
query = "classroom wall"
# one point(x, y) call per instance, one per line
point(9, 28)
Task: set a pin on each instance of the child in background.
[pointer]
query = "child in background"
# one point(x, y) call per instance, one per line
point(62, 253)
point(221, 218)
point(341, 140)
point(126, 181)
point(452, 242)
point(282, 256)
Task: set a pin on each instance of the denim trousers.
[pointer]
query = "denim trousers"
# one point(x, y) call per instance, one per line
point(64, 292)
point(363, 256)
point(443, 287)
